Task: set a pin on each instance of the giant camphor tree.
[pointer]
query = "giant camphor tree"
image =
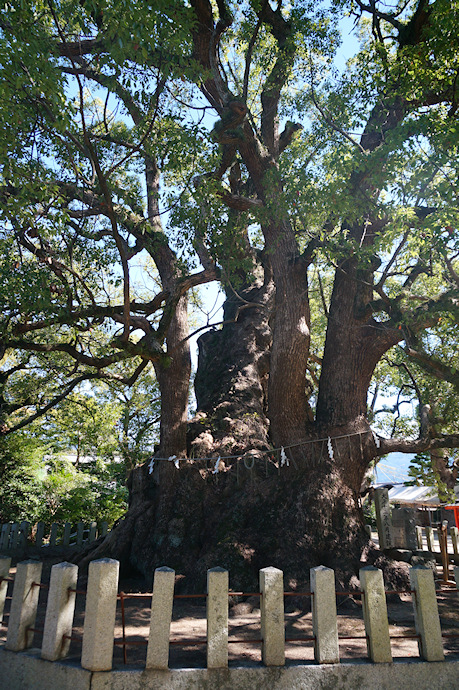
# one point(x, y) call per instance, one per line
point(226, 142)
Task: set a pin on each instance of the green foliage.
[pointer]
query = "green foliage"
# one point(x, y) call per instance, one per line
point(82, 136)
point(35, 488)
point(422, 473)
point(21, 474)
point(72, 495)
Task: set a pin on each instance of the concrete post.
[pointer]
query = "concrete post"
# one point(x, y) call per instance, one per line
point(217, 618)
point(53, 534)
point(426, 615)
point(39, 534)
point(92, 532)
point(67, 530)
point(5, 564)
point(430, 539)
point(100, 612)
point(104, 528)
point(23, 606)
point(383, 520)
point(419, 538)
point(80, 531)
point(272, 616)
point(368, 530)
point(375, 614)
point(5, 536)
point(59, 611)
point(324, 622)
point(160, 621)
point(456, 575)
point(454, 531)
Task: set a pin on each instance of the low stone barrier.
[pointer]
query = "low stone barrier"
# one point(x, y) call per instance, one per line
point(96, 661)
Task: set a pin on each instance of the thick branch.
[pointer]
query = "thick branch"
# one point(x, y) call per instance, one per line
point(419, 445)
point(434, 366)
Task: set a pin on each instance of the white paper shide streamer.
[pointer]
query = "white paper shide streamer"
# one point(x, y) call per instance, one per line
point(284, 458)
point(377, 440)
point(215, 470)
point(151, 465)
point(330, 448)
point(175, 460)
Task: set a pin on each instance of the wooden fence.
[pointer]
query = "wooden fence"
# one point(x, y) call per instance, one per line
point(18, 536)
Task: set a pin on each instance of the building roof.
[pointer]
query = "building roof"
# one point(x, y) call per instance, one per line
point(416, 495)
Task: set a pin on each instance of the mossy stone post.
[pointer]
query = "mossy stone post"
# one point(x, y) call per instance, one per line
point(383, 521)
point(375, 614)
point(454, 532)
point(272, 616)
point(23, 606)
point(161, 615)
point(426, 616)
point(59, 611)
point(5, 564)
point(217, 618)
point(99, 617)
point(324, 621)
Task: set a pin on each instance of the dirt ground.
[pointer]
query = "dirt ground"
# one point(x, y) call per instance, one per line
point(188, 630)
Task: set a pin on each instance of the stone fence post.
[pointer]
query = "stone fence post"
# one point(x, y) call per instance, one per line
point(375, 614)
point(454, 532)
point(161, 615)
point(426, 616)
point(324, 621)
point(23, 606)
point(383, 521)
point(217, 618)
point(99, 617)
point(59, 611)
point(272, 616)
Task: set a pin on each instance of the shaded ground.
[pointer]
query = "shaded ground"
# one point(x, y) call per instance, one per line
point(188, 632)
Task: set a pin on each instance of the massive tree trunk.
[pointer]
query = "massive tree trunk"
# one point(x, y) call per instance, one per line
point(257, 510)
